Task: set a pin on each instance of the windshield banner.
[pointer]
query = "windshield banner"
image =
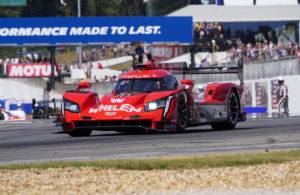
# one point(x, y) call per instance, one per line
point(94, 30)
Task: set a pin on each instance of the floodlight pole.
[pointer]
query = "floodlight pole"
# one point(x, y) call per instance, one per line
point(213, 44)
point(193, 51)
point(53, 65)
point(79, 49)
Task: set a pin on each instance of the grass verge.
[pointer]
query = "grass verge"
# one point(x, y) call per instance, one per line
point(122, 66)
point(196, 162)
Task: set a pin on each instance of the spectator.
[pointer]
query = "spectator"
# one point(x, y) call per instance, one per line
point(205, 30)
point(100, 66)
point(96, 80)
point(262, 51)
point(297, 53)
point(282, 96)
point(149, 53)
point(105, 78)
point(93, 55)
point(140, 52)
point(205, 63)
point(39, 60)
point(114, 51)
point(130, 53)
point(114, 78)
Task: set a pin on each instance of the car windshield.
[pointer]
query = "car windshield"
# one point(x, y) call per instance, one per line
point(137, 85)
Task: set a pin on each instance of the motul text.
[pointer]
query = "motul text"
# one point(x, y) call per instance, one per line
point(30, 70)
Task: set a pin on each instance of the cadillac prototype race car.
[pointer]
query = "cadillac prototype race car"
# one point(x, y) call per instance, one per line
point(150, 98)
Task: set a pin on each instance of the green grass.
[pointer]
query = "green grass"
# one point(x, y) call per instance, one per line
point(122, 66)
point(196, 162)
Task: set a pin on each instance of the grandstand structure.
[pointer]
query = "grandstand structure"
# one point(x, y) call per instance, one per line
point(282, 19)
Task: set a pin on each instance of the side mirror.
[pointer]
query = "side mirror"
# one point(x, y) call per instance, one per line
point(187, 82)
point(84, 85)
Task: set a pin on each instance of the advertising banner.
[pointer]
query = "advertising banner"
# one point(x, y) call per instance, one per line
point(164, 52)
point(30, 70)
point(94, 30)
point(261, 94)
point(248, 95)
point(274, 86)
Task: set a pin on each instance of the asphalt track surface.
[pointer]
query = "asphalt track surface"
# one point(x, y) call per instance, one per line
point(36, 141)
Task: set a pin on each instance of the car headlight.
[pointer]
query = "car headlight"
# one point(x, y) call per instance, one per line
point(71, 106)
point(156, 104)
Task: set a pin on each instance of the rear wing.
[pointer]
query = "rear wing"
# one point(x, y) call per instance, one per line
point(239, 70)
point(182, 68)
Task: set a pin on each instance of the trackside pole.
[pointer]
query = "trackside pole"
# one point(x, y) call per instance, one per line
point(241, 70)
point(53, 64)
point(193, 51)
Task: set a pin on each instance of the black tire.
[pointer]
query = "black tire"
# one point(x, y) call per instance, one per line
point(1, 116)
point(182, 113)
point(40, 113)
point(80, 133)
point(233, 110)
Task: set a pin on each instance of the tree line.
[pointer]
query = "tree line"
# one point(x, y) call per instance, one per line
point(55, 8)
point(89, 8)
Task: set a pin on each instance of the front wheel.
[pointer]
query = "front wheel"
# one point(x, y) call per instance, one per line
point(233, 110)
point(80, 133)
point(181, 113)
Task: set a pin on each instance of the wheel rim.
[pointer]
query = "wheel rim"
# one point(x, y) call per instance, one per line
point(233, 108)
point(182, 112)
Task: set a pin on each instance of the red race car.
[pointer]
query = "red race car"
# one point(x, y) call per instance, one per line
point(150, 98)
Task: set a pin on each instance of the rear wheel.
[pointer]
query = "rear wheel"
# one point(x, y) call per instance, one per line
point(1, 116)
point(80, 133)
point(233, 109)
point(40, 113)
point(181, 113)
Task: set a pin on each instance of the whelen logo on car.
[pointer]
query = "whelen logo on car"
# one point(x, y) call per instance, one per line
point(123, 107)
point(113, 100)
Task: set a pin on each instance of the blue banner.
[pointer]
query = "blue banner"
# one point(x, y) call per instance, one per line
point(94, 30)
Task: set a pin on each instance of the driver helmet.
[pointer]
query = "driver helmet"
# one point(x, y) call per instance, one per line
point(280, 80)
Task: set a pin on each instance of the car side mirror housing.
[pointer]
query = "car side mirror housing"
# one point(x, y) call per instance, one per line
point(84, 85)
point(189, 82)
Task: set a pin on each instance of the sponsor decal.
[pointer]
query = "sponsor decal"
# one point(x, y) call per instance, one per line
point(123, 107)
point(110, 113)
point(137, 76)
point(95, 30)
point(30, 70)
point(81, 31)
point(116, 100)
